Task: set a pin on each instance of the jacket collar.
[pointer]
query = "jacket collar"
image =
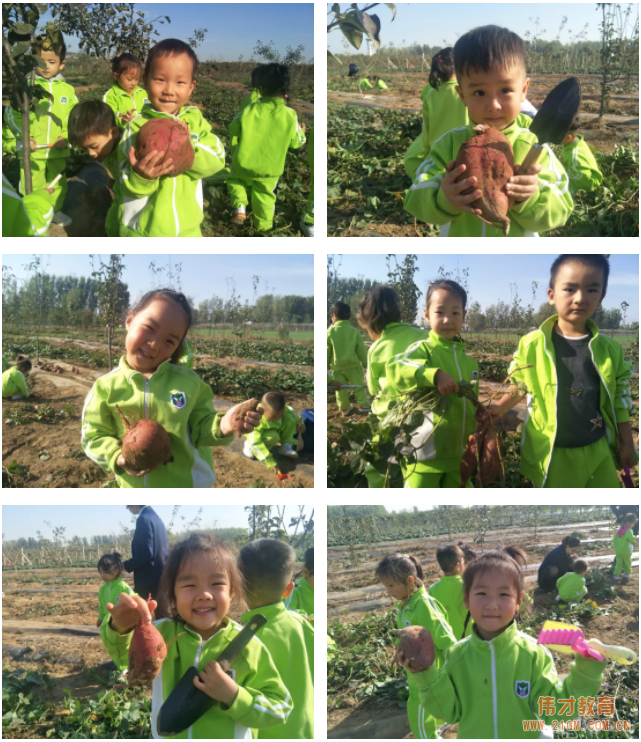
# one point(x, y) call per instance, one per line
point(269, 99)
point(547, 328)
point(435, 339)
point(56, 78)
point(149, 110)
point(499, 644)
point(417, 595)
point(394, 326)
point(273, 613)
point(342, 322)
point(130, 372)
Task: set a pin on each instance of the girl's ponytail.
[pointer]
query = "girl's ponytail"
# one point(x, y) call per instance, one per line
point(419, 569)
point(442, 67)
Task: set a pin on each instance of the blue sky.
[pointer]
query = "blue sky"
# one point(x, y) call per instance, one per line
point(491, 275)
point(443, 23)
point(233, 28)
point(202, 275)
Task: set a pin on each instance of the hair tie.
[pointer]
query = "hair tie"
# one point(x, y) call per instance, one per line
point(439, 58)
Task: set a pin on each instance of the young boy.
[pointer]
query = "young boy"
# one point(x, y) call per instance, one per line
point(49, 147)
point(580, 164)
point(154, 205)
point(578, 411)
point(301, 598)
point(267, 566)
point(14, 384)
point(490, 68)
point(571, 585)
point(278, 427)
point(28, 216)
point(93, 126)
point(346, 355)
point(449, 589)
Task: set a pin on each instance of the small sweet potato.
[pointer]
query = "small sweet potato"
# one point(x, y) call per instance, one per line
point(147, 652)
point(490, 460)
point(417, 645)
point(251, 405)
point(468, 462)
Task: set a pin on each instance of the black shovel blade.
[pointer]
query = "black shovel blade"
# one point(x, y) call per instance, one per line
point(552, 122)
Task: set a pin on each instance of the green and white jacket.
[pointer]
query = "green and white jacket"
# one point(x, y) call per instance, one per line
point(14, 383)
point(345, 346)
point(121, 102)
point(449, 593)
point(581, 165)
point(571, 586)
point(539, 428)
point(109, 593)
point(301, 598)
point(25, 216)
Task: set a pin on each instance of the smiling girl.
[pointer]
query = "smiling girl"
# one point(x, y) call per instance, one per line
point(126, 98)
point(147, 384)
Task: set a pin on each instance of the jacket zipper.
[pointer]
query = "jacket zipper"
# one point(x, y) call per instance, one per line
point(494, 703)
point(458, 368)
point(146, 415)
point(49, 120)
point(556, 394)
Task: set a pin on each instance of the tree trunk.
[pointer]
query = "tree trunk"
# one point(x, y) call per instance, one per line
point(109, 346)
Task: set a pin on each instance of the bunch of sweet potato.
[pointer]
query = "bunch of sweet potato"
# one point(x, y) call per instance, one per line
point(482, 456)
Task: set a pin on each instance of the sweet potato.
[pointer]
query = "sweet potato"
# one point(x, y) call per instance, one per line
point(147, 652)
point(468, 462)
point(146, 445)
point(488, 156)
point(169, 137)
point(251, 405)
point(417, 645)
point(490, 460)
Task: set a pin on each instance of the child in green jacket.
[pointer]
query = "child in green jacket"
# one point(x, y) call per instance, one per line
point(402, 576)
point(301, 598)
point(577, 422)
point(346, 356)
point(439, 362)
point(49, 146)
point(580, 164)
point(198, 585)
point(571, 585)
point(492, 82)
point(110, 569)
point(267, 566)
point(14, 384)
point(495, 679)
point(265, 130)
point(26, 216)
point(149, 384)
point(449, 589)
point(307, 219)
point(623, 547)
point(126, 98)
point(155, 203)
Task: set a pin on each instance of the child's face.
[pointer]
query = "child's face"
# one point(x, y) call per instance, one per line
point(308, 577)
point(169, 84)
point(107, 576)
point(397, 590)
point(100, 146)
point(128, 80)
point(492, 602)
point(154, 334)
point(445, 314)
point(203, 593)
point(54, 65)
point(577, 293)
point(494, 98)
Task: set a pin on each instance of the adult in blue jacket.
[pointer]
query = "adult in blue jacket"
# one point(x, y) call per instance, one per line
point(148, 551)
point(557, 562)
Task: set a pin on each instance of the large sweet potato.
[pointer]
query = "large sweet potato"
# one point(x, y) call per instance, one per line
point(417, 645)
point(490, 459)
point(170, 137)
point(488, 156)
point(146, 445)
point(147, 652)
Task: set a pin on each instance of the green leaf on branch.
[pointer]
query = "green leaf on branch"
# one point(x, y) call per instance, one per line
point(20, 48)
point(24, 29)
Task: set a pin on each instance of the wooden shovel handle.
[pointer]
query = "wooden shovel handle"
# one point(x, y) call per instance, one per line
point(532, 156)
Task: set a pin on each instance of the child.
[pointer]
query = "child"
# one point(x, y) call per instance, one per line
point(307, 220)
point(579, 398)
point(439, 362)
point(449, 589)
point(155, 205)
point(93, 127)
point(125, 98)
point(147, 385)
point(199, 583)
point(266, 566)
point(365, 84)
point(346, 355)
point(402, 576)
point(468, 553)
point(580, 164)
point(49, 146)
point(571, 585)
point(14, 384)
point(490, 68)
point(250, 98)
point(624, 546)
point(26, 216)
point(301, 598)
point(278, 427)
point(557, 562)
point(110, 569)
point(265, 131)
point(518, 670)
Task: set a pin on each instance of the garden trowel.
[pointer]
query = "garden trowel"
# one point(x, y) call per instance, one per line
point(552, 122)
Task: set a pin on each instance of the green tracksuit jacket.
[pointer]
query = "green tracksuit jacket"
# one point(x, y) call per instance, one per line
point(490, 687)
point(262, 701)
point(265, 131)
point(173, 396)
point(9, 141)
point(624, 545)
point(267, 434)
point(252, 97)
point(443, 110)
point(449, 593)
point(108, 593)
point(188, 358)
point(290, 641)
point(571, 587)
point(365, 84)
point(395, 338)
point(25, 216)
point(581, 166)
point(381, 85)
point(13, 383)
point(547, 209)
point(301, 598)
point(416, 368)
point(345, 346)
point(168, 207)
point(539, 429)
point(121, 102)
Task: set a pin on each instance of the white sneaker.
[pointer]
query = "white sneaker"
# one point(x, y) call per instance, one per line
point(558, 598)
point(62, 219)
point(287, 450)
point(348, 411)
point(365, 408)
point(306, 229)
point(247, 450)
point(239, 216)
point(617, 577)
point(123, 676)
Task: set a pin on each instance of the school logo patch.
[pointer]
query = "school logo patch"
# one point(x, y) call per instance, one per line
point(475, 375)
point(178, 400)
point(193, 136)
point(64, 99)
point(145, 100)
point(522, 688)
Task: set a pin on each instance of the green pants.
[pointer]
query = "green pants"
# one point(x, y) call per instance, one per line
point(353, 375)
point(264, 440)
point(623, 563)
point(263, 198)
point(586, 467)
point(413, 157)
point(422, 724)
point(418, 479)
point(42, 173)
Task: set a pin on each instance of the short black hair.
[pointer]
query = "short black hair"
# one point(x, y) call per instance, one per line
point(124, 62)
point(341, 310)
point(267, 566)
point(449, 556)
point(575, 124)
point(256, 76)
point(274, 79)
point(111, 563)
point(446, 285)
point(63, 48)
point(275, 400)
point(580, 565)
point(171, 48)
point(88, 118)
point(592, 261)
point(378, 308)
point(24, 365)
point(309, 560)
point(486, 48)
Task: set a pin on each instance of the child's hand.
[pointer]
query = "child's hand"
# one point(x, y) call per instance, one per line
point(127, 117)
point(98, 623)
point(335, 384)
point(626, 453)
point(128, 611)
point(216, 683)
point(149, 167)
point(452, 191)
point(251, 421)
point(60, 143)
point(445, 383)
point(522, 186)
point(401, 659)
point(120, 461)
point(33, 144)
point(49, 190)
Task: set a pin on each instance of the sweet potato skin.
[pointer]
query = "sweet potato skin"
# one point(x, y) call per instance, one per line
point(490, 460)
point(146, 445)
point(417, 645)
point(170, 138)
point(147, 652)
point(251, 405)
